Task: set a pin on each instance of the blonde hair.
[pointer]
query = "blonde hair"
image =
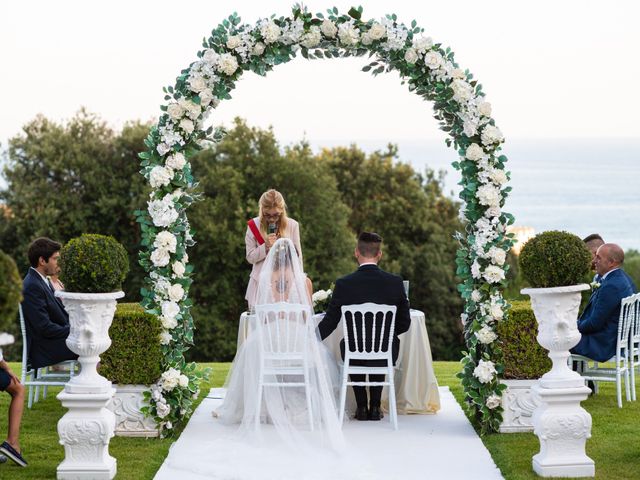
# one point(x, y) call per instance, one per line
point(268, 200)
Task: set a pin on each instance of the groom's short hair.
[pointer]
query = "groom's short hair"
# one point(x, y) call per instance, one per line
point(369, 244)
point(42, 247)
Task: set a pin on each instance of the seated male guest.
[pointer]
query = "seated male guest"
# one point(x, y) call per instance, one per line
point(598, 323)
point(368, 284)
point(46, 319)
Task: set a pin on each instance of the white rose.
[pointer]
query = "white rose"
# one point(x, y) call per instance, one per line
point(169, 379)
point(162, 212)
point(206, 96)
point(476, 296)
point(258, 49)
point(497, 255)
point(270, 31)
point(329, 28)
point(183, 381)
point(160, 176)
point(227, 64)
point(366, 39)
point(162, 409)
point(498, 176)
point(178, 269)
point(475, 269)
point(197, 83)
point(163, 148)
point(377, 31)
point(168, 425)
point(422, 44)
point(493, 274)
point(493, 401)
point(187, 125)
point(160, 257)
point(488, 195)
point(433, 60)
point(411, 56)
point(165, 338)
point(484, 108)
point(168, 323)
point(175, 111)
point(166, 240)
point(485, 371)
point(491, 135)
point(170, 309)
point(474, 152)
point(470, 127)
point(348, 34)
point(175, 292)
point(211, 57)
point(462, 91)
point(234, 41)
point(496, 312)
point(486, 335)
point(176, 161)
point(312, 37)
point(193, 109)
point(457, 73)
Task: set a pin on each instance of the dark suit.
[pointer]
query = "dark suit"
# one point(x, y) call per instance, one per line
point(598, 323)
point(47, 323)
point(368, 284)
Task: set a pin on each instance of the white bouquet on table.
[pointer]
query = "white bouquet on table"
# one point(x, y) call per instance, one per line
point(321, 300)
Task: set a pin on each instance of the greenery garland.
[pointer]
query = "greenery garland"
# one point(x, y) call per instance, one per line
point(431, 72)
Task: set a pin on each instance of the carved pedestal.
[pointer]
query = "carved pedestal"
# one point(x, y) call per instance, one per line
point(130, 421)
point(518, 403)
point(561, 424)
point(86, 429)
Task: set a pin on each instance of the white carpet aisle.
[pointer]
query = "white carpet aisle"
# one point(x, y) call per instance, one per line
point(441, 446)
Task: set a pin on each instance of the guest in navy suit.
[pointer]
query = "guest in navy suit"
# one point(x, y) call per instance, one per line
point(368, 284)
point(46, 319)
point(593, 242)
point(598, 323)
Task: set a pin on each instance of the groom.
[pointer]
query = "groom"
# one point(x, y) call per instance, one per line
point(368, 284)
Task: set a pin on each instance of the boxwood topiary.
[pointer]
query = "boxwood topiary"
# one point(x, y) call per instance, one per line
point(554, 259)
point(523, 356)
point(135, 355)
point(10, 292)
point(93, 264)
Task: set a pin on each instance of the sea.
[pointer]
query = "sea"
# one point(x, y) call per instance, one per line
point(581, 186)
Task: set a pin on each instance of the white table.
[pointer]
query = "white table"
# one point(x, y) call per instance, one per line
point(415, 381)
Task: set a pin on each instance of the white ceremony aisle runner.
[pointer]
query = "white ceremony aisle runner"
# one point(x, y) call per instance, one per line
point(441, 446)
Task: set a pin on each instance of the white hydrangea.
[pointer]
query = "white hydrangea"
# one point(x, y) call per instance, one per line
point(227, 64)
point(168, 323)
point(433, 60)
point(175, 292)
point(328, 28)
point(170, 309)
point(463, 318)
point(176, 161)
point(486, 335)
point(160, 257)
point(474, 152)
point(475, 269)
point(161, 285)
point(162, 149)
point(491, 135)
point(377, 31)
point(497, 255)
point(488, 195)
point(166, 241)
point(292, 32)
point(169, 379)
point(485, 371)
point(411, 56)
point(493, 274)
point(470, 127)
point(211, 57)
point(462, 91)
point(312, 38)
point(476, 296)
point(493, 401)
point(162, 212)
point(348, 34)
point(270, 31)
point(160, 176)
point(234, 41)
point(396, 35)
point(175, 111)
point(422, 44)
point(162, 409)
point(178, 269)
point(165, 338)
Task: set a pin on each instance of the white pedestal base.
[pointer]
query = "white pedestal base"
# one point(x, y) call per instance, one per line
point(563, 427)
point(518, 404)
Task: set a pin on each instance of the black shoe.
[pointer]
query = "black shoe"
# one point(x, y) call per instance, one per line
point(13, 454)
point(375, 413)
point(362, 413)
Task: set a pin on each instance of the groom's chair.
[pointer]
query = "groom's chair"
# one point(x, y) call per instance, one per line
point(283, 333)
point(378, 322)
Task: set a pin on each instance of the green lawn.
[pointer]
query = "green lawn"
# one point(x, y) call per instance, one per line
point(614, 446)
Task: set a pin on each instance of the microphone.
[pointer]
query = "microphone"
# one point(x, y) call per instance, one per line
point(272, 228)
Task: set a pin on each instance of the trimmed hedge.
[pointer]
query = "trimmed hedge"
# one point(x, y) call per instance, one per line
point(10, 292)
point(93, 263)
point(554, 259)
point(523, 356)
point(135, 355)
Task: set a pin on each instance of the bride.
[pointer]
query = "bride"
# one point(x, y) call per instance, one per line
point(282, 280)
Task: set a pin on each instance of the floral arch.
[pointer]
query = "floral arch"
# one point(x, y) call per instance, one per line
point(432, 73)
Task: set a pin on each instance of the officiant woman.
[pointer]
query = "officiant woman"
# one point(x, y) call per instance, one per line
point(271, 224)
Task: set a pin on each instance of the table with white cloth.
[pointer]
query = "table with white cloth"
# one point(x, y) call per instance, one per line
point(415, 381)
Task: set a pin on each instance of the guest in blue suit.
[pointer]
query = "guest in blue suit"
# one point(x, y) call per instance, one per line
point(598, 323)
point(46, 319)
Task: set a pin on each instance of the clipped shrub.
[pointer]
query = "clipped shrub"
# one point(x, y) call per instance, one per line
point(554, 259)
point(135, 355)
point(93, 263)
point(523, 356)
point(10, 292)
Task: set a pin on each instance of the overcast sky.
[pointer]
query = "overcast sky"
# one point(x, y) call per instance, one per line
point(550, 68)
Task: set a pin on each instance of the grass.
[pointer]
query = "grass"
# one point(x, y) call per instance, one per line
point(614, 445)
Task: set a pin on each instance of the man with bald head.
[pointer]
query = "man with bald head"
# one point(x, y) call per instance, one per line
point(598, 324)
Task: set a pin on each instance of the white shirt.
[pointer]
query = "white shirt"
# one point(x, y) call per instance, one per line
point(44, 279)
point(367, 263)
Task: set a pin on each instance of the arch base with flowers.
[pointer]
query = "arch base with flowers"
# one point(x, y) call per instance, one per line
point(431, 72)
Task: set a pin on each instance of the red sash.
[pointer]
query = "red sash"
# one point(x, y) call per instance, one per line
point(256, 231)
